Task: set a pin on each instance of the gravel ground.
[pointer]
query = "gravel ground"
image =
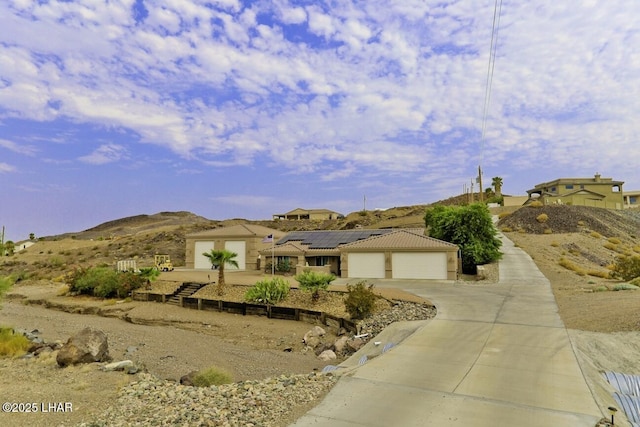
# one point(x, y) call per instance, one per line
point(274, 387)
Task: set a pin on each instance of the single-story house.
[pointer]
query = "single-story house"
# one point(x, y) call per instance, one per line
point(313, 214)
point(246, 240)
point(363, 253)
point(597, 192)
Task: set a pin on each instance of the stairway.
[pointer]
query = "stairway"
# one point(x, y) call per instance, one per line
point(186, 290)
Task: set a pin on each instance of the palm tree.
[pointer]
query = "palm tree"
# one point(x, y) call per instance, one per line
point(218, 260)
point(497, 185)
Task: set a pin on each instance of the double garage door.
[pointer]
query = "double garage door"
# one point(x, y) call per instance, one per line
point(404, 265)
point(237, 246)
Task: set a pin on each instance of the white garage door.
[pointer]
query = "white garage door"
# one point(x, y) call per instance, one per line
point(419, 265)
point(239, 247)
point(366, 265)
point(199, 260)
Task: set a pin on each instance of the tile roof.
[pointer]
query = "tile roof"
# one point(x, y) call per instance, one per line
point(401, 239)
point(239, 230)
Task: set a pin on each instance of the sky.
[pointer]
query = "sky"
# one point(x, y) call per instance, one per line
point(245, 109)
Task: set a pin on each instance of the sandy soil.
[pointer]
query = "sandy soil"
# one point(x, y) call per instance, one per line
point(166, 340)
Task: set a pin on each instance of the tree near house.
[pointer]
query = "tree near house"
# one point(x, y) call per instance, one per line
point(471, 228)
point(219, 259)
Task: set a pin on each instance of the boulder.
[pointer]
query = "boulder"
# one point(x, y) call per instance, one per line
point(188, 379)
point(341, 344)
point(123, 365)
point(316, 332)
point(327, 355)
point(88, 346)
point(355, 344)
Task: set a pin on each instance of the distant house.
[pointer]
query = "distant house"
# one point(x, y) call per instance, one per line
point(631, 199)
point(317, 214)
point(368, 254)
point(597, 191)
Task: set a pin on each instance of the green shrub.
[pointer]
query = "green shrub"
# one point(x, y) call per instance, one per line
point(624, 287)
point(626, 267)
point(360, 300)
point(211, 376)
point(12, 344)
point(314, 281)
point(104, 282)
point(268, 291)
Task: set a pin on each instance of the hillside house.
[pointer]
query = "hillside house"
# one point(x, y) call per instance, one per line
point(631, 199)
point(313, 214)
point(368, 254)
point(596, 192)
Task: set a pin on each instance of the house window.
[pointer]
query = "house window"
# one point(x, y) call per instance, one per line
point(633, 200)
point(322, 260)
point(569, 186)
point(553, 189)
point(582, 186)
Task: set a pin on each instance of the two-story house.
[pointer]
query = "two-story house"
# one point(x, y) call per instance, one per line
point(597, 191)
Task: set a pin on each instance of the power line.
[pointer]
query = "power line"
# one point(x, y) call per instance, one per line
point(497, 10)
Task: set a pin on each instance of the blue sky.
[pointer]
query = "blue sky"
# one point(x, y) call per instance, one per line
point(230, 108)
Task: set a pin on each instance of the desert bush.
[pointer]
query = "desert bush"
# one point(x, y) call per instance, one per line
point(611, 246)
point(625, 287)
point(614, 240)
point(542, 218)
point(12, 344)
point(600, 288)
point(635, 282)
point(360, 300)
point(503, 215)
point(595, 234)
point(581, 223)
point(536, 204)
point(506, 229)
point(555, 244)
point(211, 376)
point(313, 281)
point(626, 267)
point(548, 231)
point(268, 291)
point(571, 266)
point(599, 273)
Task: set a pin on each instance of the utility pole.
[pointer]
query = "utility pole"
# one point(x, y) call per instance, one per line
point(480, 183)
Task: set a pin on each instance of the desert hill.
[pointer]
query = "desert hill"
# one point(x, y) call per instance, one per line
point(140, 237)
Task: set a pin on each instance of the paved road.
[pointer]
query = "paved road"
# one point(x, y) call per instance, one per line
point(495, 355)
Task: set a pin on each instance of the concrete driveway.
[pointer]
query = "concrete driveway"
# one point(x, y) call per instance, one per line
point(495, 355)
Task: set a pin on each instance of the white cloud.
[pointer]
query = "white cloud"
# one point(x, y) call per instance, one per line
point(5, 168)
point(107, 153)
point(395, 85)
point(26, 150)
point(293, 15)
